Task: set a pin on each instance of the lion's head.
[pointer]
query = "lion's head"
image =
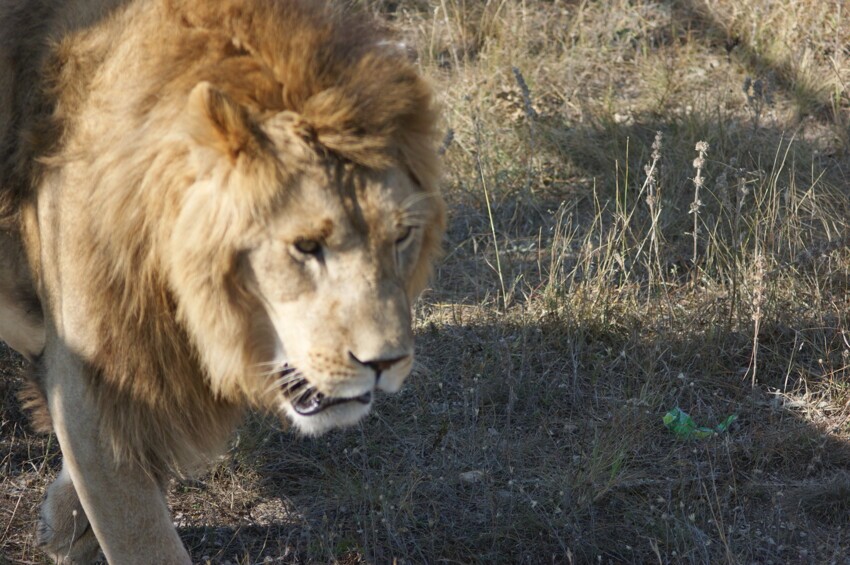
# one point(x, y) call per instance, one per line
point(335, 273)
point(320, 259)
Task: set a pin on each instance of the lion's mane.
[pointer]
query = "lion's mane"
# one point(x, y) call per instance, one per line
point(359, 100)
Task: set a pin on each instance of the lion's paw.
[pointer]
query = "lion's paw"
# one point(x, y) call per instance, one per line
point(63, 530)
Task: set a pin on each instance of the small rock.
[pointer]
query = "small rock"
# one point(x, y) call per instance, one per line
point(472, 476)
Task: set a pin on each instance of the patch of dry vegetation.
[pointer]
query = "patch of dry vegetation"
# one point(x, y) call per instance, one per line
point(600, 270)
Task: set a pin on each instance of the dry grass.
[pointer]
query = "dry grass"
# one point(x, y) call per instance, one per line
point(532, 432)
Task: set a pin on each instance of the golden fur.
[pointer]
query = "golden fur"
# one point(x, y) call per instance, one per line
point(176, 134)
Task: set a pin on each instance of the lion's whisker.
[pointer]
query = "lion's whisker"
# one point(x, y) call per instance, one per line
point(286, 380)
point(270, 364)
point(293, 388)
point(420, 367)
point(289, 382)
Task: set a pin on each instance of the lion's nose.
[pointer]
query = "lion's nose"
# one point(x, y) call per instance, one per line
point(379, 365)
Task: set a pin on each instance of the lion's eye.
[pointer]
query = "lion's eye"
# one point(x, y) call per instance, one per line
point(404, 235)
point(308, 246)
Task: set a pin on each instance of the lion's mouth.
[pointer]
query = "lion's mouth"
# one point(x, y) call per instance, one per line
point(311, 404)
point(306, 400)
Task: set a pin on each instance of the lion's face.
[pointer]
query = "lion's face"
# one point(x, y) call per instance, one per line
point(294, 268)
point(334, 272)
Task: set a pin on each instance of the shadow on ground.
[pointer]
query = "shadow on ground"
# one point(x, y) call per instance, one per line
point(539, 440)
point(527, 437)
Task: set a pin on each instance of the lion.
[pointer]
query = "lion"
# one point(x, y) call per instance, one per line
point(205, 208)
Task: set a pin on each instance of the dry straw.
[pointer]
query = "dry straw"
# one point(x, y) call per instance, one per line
point(653, 202)
point(531, 115)
point(699, 181)
point(482, 177)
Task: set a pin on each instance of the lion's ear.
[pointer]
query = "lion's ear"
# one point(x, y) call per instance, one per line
point(290, 130)
point(217, 122)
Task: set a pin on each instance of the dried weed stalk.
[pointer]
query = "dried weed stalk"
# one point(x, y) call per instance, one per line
point(653, 202)
point(699, 181)
point(758, 302)
point(482, 177)
point(531, 116)
point(759, 96)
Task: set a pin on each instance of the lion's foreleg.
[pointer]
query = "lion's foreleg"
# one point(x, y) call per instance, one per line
point(125, 507)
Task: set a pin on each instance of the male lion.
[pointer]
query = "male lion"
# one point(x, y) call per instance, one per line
point(206, 206)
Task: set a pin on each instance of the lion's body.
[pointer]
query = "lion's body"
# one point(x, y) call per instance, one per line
point(154, 155)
